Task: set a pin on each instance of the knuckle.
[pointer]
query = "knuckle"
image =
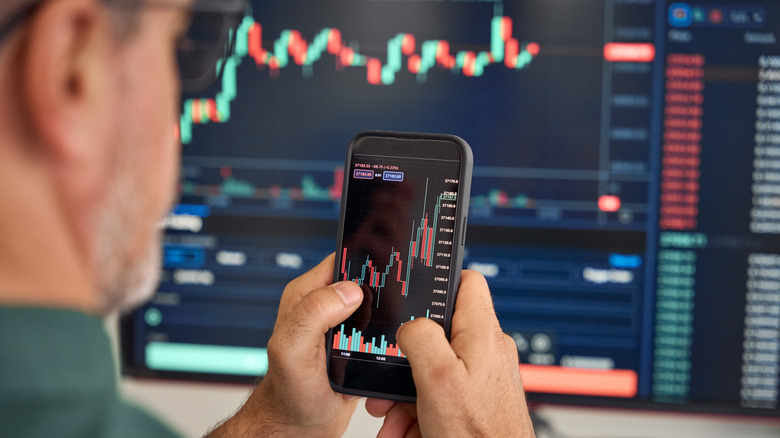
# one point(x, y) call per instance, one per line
point(274, 350)
point(509, 347)
point(507, 342)
point(291, 294)
point(444, 376)
point(314, 304)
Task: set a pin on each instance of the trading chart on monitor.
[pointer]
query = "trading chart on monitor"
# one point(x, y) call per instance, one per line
point(625, 205)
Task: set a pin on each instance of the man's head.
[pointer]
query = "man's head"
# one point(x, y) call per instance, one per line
point(88, 157)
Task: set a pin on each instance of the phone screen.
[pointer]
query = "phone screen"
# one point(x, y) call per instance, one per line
point(403, 223)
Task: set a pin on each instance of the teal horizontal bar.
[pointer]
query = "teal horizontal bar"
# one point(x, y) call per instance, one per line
point(199, 358)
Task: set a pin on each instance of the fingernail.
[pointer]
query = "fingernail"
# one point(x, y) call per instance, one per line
point(349, 292)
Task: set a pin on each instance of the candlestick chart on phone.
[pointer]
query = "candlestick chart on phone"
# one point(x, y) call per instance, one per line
point(397, 245)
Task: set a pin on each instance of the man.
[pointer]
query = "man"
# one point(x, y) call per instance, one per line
point(88, 163)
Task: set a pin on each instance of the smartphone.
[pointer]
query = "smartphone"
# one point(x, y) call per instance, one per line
point(401, 234)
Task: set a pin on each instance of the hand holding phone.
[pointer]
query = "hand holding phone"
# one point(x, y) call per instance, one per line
point(401, 236)
point(467, 387)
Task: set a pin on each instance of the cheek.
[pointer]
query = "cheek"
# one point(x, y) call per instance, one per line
point(153, 91)
point(166, 150)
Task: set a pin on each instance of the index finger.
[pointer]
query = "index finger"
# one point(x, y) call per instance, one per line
point(317, 278)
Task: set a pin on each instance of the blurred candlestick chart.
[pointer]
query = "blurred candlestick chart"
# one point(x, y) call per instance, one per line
point(404, 54)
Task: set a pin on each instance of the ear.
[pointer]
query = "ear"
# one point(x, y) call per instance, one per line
point(65, 83)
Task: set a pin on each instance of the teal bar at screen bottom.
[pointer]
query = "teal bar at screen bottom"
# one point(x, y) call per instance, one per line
point(199, 358)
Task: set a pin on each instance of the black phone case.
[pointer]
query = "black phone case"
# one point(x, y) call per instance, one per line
point(459, 236)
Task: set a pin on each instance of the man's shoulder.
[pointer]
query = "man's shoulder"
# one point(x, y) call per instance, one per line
point(103, 418)
point(57, 379)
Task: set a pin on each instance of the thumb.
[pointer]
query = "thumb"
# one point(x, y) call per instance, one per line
point(317, 312)
point(426, 347)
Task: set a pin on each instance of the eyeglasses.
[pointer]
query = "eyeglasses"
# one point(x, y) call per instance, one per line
point(203, 49)
point(209, 41)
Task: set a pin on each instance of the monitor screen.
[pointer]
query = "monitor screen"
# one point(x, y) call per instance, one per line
point(625, 205)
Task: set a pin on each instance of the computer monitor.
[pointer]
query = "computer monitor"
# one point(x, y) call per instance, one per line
point(625, 205)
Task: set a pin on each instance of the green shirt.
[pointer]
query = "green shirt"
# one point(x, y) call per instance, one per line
point(57, 379)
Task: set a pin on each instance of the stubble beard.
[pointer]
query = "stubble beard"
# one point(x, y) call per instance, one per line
point(125, 280)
